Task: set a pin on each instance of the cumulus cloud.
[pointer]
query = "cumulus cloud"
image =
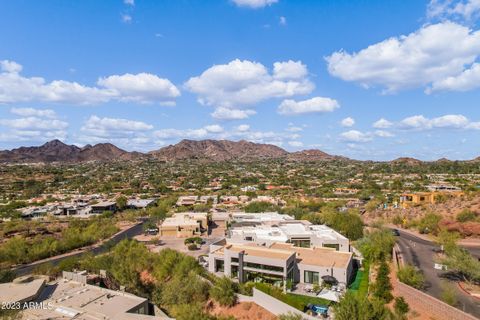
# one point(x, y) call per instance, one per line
point(35, 125)
point(448, 9)
point(419, 122)
point(254, 4)
point(382, 124)
point(420, 59)
point(32, 112)
point(242, 83)
point(296, 144)
point(467, 80)
point(383, 134)
point(313, 105)
point(209, 131)
point(122, 132)
point(347, 122)
point(282, 21)
point(355, 136)
point(243, 127)
point(142, 87)
point(129, 2)
point(222, 113)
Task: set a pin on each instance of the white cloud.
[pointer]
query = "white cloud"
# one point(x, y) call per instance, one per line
point(10, 66)
point(448, 9)
point(283, 21)
point(467, 80)
point(382, 124)
point(347, 122)
point(292, 128)
point(123, 132)
point(32, 112)
point(313, 105)
point(142, 87)
point(450, 121)
point(355, 136)
point(108, 124)
point(254, 4)
point(419, 59)
point(245, 83)
point(129, 2)
point(214, 128)
point(383, 134)
point(36, 125)
point(415, 122)
point(222, 113)
point(243, 127)
point(296, 144)
point(289, 70)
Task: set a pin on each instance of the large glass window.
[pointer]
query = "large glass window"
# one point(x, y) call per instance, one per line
point(311, 277)
point(263, 267)
point(331, 245)
point(300, 242)
point(219, 265)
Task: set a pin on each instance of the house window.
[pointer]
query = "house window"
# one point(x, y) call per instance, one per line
point(299, 242)
point(331, 245)
point(248, 239)
point(311, 277)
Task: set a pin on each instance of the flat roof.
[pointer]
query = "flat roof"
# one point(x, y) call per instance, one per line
point(19, 292)
point(263, 252)
point(104, 204)
point(72, 299)
point(324, 257)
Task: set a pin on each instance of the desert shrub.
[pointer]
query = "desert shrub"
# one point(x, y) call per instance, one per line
point(411, 276)
point(466, 215)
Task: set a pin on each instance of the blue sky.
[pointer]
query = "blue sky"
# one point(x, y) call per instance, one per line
point(364, 79)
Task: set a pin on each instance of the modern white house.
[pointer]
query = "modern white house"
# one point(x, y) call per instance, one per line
point(280, 262)
point(301, 233)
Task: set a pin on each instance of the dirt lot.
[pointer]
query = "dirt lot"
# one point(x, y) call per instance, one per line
point(242, 311)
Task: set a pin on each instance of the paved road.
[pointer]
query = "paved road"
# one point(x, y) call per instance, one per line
point(126, 234)
point(420, 253)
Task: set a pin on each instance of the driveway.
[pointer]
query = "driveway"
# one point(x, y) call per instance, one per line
point(420, 253)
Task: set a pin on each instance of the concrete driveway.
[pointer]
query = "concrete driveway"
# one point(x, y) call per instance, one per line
point(420, 253)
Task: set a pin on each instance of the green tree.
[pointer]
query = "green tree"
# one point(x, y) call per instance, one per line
point(401, 307)
point(223, 291)
point(377, 245)
point(408, 274)
point(383, 287)
point(448, 294)
point(429, 223)
point(121, 202)
point(466, 215)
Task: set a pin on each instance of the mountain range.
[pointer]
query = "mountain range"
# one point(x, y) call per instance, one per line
point(203, 150)
point(206, 150)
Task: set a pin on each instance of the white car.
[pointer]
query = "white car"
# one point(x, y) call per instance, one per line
point(440, 266)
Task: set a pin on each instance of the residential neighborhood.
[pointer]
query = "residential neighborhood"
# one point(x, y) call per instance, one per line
point(239, 160)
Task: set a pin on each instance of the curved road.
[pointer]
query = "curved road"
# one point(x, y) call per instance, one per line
point(420, 253)
point(125, 234)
